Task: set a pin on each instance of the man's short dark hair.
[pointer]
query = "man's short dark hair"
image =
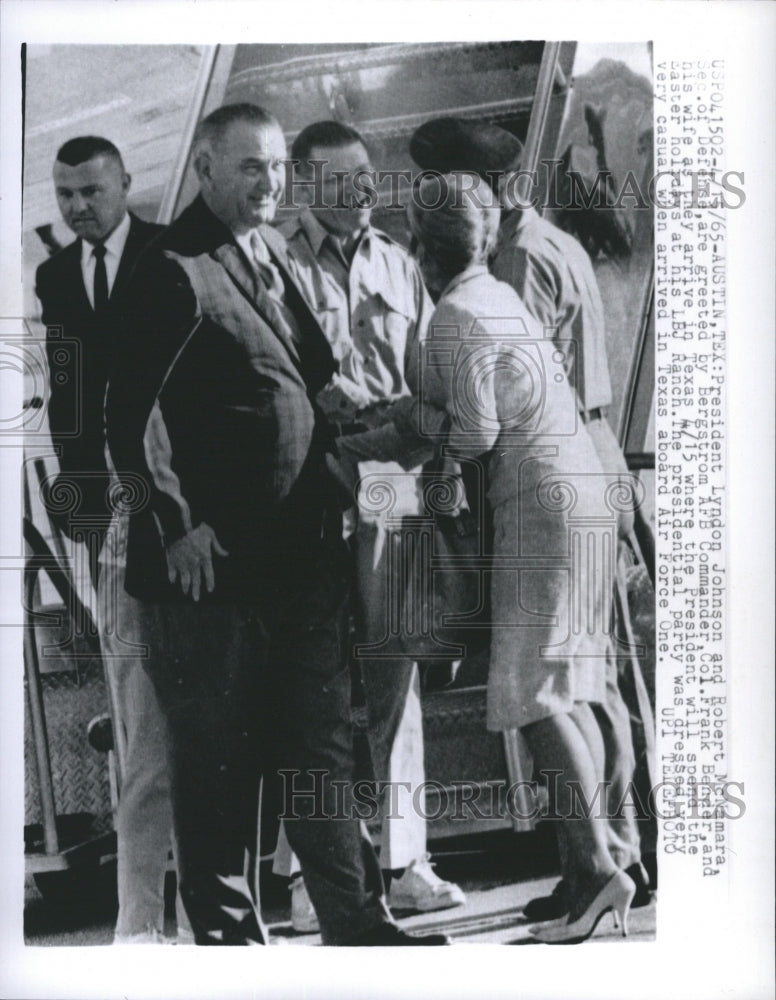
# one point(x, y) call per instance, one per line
point(213, 127)
point(323, 135)
point(85, 147)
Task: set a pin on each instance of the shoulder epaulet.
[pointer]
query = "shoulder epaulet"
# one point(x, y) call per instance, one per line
point(395, 249)
point(385, 238)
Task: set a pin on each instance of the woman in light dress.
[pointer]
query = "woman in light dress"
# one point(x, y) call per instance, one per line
point(509, 406)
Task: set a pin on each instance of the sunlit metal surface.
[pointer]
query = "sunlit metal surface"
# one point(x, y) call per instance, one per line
point(135, 95)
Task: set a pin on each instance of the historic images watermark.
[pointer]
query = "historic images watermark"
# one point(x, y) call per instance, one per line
point(545, 188)
point(532, 800)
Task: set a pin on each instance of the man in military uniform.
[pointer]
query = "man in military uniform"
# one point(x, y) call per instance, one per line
point(373, 307)
point(554, 277)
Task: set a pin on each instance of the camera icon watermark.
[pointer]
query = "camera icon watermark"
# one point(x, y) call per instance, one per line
point(502, 382)
point(33, 371)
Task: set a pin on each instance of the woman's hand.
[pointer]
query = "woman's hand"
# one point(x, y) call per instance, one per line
point(376, 415)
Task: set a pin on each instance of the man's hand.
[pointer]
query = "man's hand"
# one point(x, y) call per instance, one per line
point(192, 556)
point(341, 400)
point(413, 417)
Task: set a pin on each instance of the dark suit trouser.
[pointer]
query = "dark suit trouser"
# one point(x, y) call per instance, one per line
point(245, 694)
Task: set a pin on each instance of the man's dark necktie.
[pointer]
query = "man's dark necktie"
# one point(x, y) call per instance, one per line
point(100, 279)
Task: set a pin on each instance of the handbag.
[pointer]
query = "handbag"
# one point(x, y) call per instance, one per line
point(445, 586)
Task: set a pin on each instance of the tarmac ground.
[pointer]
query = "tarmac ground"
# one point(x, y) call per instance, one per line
point(499, 872)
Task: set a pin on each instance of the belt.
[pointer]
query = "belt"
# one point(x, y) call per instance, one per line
point(597, 413)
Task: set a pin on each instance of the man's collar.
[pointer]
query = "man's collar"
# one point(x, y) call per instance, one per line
point(115, 243)
point(472, 271)
point(519, 218)
point(316, 233)
point(244, 242)
point(312, 229)
point(197, 230)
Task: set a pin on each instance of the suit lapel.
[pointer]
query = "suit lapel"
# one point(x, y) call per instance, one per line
point(75, 278)
point(132, 249)
point(233, 260)
point(278, 248)
point(242, 274)
point(200, 231)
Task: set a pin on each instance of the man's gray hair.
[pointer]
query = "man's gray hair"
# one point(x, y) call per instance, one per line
point(213, 127)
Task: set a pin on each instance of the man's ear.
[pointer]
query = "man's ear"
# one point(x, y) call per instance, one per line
point(303, 191)
point(126, 183)
point(202, 164)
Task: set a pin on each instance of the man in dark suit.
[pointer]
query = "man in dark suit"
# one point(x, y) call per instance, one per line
point(78, 289)
point(235, 550)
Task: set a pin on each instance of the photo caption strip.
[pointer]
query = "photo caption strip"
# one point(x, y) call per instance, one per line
point(692, 721)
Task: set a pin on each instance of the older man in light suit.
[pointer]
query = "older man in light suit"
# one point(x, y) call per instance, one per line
point(235, 552)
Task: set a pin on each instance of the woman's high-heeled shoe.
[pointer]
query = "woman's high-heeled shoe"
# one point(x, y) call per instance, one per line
point(616, 895)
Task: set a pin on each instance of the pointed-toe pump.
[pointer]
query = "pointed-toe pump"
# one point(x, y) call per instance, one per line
point(616, 896)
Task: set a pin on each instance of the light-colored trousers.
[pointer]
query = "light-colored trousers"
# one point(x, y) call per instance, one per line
point(144, 813)
point(391, 686)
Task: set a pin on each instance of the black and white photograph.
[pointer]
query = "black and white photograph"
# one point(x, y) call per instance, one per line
point(387, 488)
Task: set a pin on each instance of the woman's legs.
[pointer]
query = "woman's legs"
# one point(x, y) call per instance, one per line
point(586, 723)
point(567, 743)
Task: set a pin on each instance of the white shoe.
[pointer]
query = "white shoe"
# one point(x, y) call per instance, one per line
point(420, 888)
point(303, 917)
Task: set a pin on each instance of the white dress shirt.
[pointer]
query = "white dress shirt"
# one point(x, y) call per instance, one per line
point(243, 240)
point(114, 248)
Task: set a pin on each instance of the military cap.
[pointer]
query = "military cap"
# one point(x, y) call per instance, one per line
point(446, 144)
